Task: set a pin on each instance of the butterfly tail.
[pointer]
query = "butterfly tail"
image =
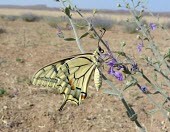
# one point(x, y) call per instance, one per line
point(62, 106)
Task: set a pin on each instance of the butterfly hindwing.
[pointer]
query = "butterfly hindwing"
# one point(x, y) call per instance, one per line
point(78, 71)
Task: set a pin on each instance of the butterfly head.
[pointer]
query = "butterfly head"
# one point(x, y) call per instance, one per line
point(99, 51)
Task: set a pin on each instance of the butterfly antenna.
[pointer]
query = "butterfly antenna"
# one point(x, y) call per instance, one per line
point(101, 36)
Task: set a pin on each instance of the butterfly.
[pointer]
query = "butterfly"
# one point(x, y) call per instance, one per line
point(71, 76)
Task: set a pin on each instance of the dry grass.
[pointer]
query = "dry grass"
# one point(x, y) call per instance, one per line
point(114, 16)
point(26, 47)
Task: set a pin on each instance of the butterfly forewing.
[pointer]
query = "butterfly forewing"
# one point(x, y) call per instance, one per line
point(47, 76)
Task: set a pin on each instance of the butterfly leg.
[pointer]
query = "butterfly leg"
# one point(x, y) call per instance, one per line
point(62, 106)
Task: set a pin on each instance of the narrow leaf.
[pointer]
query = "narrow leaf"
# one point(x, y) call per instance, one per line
point(67, 11)
point(94, 11)
point(109, 92)
point(153, 111)
point(84, 35)
point(156, 92)
point(69, 39)
point(2, 91)
point(167, 109)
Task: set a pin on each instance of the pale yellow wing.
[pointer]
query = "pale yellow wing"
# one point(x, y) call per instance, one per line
point(74, 78)
point(47, 75)
point(70, 76)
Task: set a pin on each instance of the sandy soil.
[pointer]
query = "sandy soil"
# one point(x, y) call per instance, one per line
point(26, 47)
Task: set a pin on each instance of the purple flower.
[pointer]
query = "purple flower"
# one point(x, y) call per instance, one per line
point(152, 25)
point(111, 71)
point(118, 75)
point(134, 67)
point(111, 62)
point(139, 46)
point(143, 89)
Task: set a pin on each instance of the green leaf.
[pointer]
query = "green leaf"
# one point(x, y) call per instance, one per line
point(84, 35)
point(2, 91)
point(60, 35)
point(94, 11)
point(154, 76)
point(121, 53)
point(156, 92)
point(126, 70)
point(153, 111)
point(167, 54)
point(123, 44)
point(109, 92)
point(67, 11)
point(157, 62)
point(139, 73)
point(168, 60)
point(129, 84)
point(167, 108)
point(69, 39)
point(146, 39)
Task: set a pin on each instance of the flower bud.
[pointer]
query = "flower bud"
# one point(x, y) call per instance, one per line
point(118, 5)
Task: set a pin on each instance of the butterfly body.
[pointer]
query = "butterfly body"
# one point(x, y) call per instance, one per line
point(71, 76)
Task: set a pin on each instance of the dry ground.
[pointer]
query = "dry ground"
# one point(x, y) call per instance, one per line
point(24, 48)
